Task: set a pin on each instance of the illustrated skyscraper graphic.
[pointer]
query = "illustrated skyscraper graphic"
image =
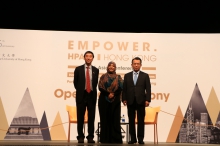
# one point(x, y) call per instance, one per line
point(190, 123)
point(196, 126)
point(25, 123)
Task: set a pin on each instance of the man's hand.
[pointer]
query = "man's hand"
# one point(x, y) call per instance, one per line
point(125, 102)
point(147, 103)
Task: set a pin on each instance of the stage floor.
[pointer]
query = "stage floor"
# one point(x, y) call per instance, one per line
point(75, 143)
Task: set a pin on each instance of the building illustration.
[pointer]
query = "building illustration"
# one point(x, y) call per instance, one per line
point(25, 124)
point(197, 126)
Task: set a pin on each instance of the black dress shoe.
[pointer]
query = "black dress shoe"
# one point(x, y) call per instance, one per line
point(90, 140)
point(140, 142)
point(81, 140)
point(131, 142)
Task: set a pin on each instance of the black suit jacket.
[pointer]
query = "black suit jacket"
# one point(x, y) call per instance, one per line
point(142, 89)
point(79, 82)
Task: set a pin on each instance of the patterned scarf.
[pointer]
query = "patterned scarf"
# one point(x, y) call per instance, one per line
point(110, 81)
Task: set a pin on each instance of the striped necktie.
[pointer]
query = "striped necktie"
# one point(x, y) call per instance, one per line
point(135, 78)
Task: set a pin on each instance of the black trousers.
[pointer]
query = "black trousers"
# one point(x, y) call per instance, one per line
point(140, 126)
point(88, 103)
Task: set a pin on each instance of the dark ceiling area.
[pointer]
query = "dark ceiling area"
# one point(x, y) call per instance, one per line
point(144, 17)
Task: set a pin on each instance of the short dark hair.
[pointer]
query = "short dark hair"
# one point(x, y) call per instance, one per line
point(136, 58)
point(88, 52)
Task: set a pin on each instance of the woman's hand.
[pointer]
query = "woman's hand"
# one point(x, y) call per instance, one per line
point(111, 95)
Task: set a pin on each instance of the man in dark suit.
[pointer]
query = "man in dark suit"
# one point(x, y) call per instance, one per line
point(85, 83)
point(136, 95)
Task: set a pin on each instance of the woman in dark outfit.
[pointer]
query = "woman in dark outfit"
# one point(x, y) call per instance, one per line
point(110, 86)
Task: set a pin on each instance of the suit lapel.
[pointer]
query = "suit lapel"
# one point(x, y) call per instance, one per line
point(139, 77)
point(83, 72)
point(93, 73)
point(131, 77)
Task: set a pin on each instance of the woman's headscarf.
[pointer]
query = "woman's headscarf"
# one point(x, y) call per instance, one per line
point(110, 81)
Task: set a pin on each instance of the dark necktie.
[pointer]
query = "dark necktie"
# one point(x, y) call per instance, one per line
point(87, 80)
